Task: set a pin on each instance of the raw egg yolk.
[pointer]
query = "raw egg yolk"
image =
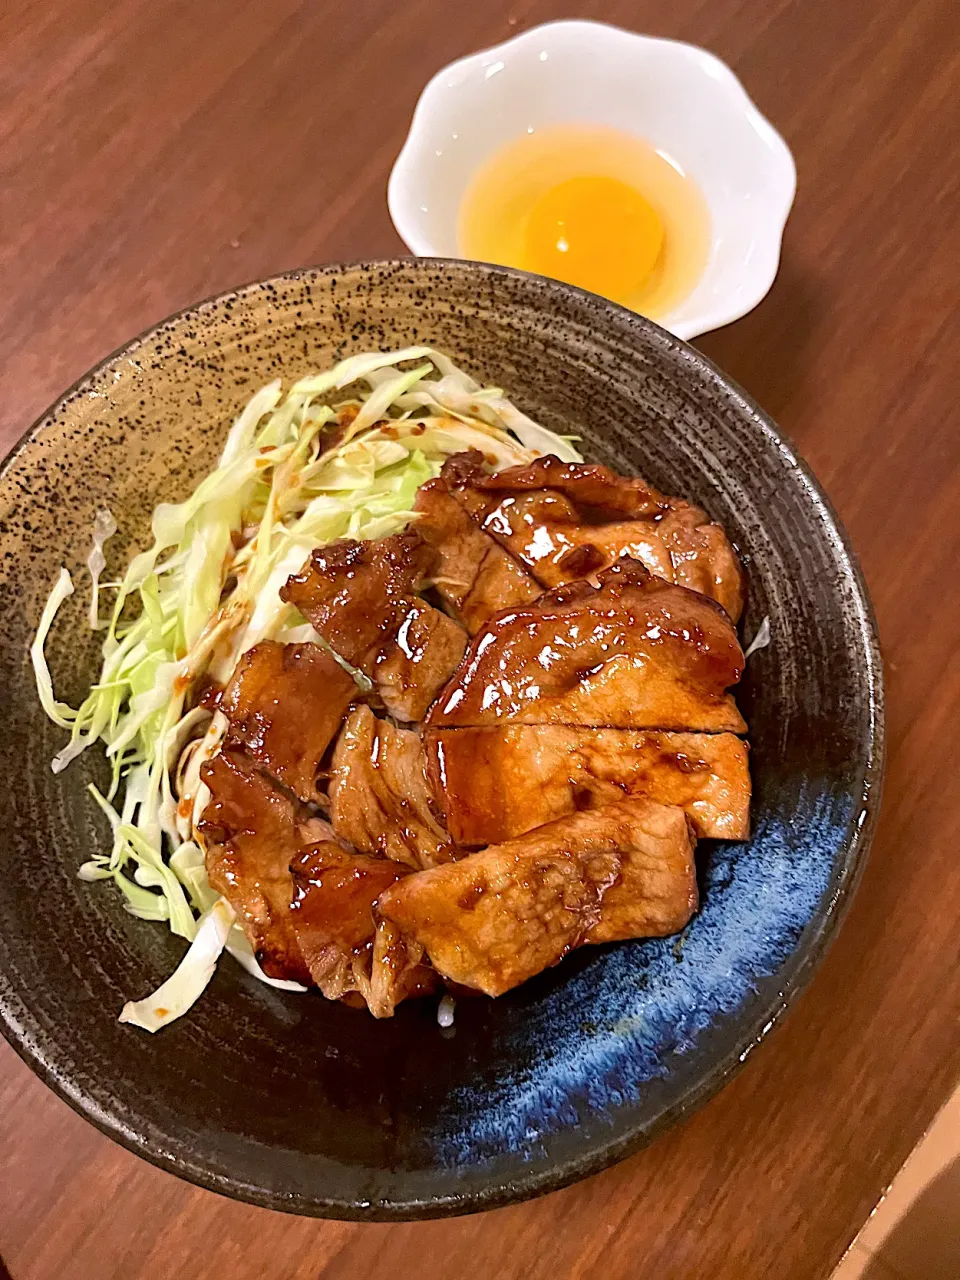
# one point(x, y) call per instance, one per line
point(594, 232)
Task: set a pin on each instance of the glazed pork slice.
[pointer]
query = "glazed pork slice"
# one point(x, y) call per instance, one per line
point(498, 782)
point(546, 532)
point(285, 704)
point(703, 557)
point(361, 598)
point(599, 493)
point(379, 799)
point(496, 918)
point(251, 830)
point(345, 949)
point(356, 594)
point(564, 521)
point(473, 575)
point(631, 652)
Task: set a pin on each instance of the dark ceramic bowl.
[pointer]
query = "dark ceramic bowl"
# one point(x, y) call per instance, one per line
point(293, 1103)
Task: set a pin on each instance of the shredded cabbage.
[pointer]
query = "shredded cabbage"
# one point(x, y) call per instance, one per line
point(104, 527)
point(296, 471)
point(189, 980)
point(760, 640)
point(445, 1010)
point(58, 712)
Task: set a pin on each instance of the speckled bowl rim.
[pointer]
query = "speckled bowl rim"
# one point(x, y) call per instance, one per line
point(807, 954)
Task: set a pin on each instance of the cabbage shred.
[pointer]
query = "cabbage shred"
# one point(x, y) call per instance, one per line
point(297, 471)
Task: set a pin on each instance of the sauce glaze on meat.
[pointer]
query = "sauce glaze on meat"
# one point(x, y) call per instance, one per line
point(466, 793)
point(631, 652)
point(563, 520)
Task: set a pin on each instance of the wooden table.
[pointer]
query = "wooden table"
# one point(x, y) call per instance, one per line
point(154, 151)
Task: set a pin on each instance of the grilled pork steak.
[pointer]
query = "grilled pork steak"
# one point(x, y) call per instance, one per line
point(285, 704)
point(496, 918)
point(564, 521)
point(379, 799)
point(361, 598)
point(473, 575)
point(632, 652)
point(497, 782)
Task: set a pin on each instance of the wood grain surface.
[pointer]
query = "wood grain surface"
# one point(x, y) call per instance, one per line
point(155, 151)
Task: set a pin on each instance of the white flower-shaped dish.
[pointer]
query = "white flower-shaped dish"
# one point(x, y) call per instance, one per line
point(681, 99)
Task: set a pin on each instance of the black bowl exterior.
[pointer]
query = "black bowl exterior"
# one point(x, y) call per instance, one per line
point(296, 1104)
